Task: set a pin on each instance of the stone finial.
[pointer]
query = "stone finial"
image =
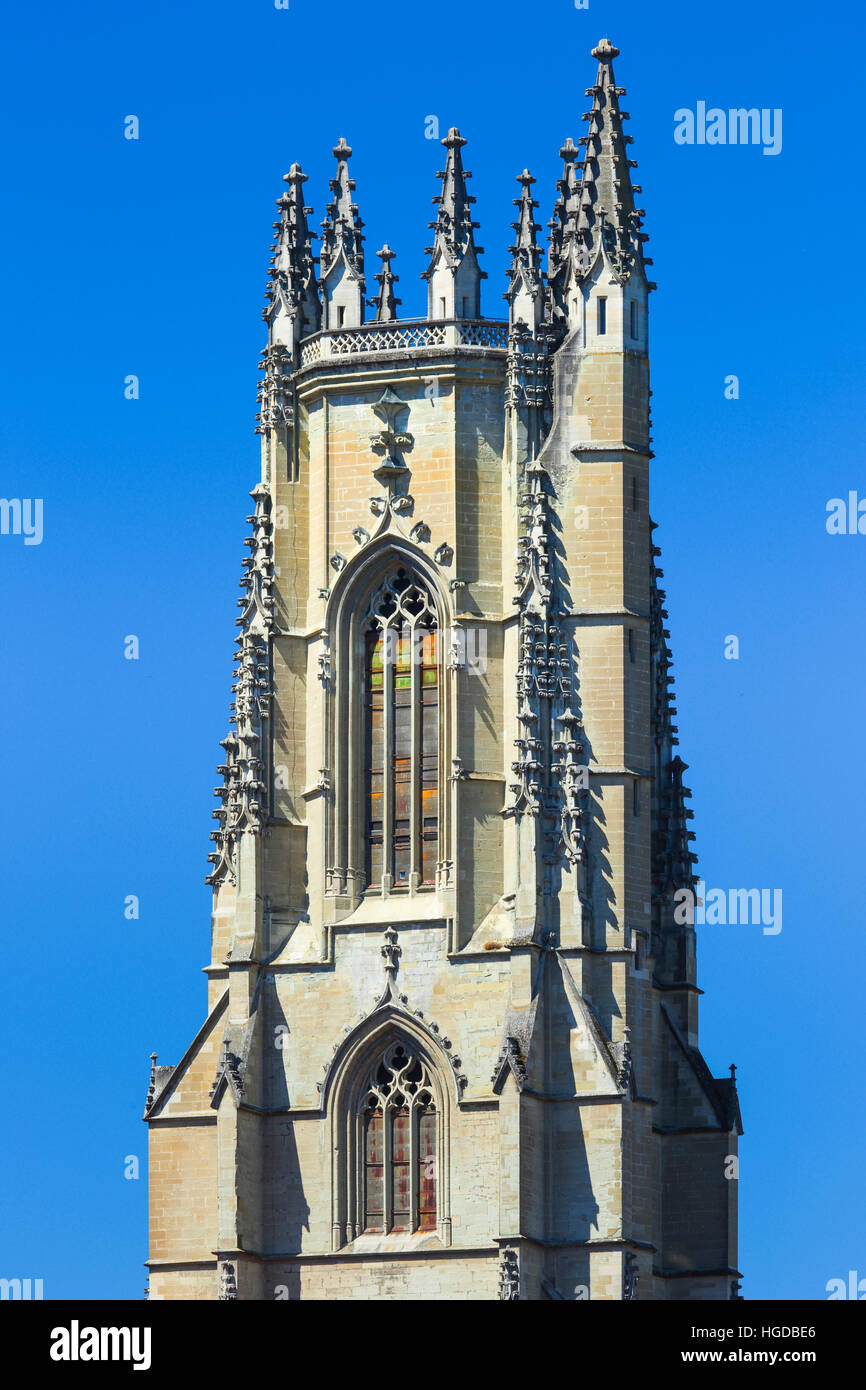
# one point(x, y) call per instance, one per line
point(295, 176)
point(391, 952)
point(384, 302)
point(605, 51)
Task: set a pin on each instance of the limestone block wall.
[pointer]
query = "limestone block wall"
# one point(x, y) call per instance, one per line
point(183, 1190)
point(434, 1280)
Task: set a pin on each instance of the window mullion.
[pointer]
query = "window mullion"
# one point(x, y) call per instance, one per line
point(387, 1169)
point(414, 1150)
point(415, 774)
point(388, 762)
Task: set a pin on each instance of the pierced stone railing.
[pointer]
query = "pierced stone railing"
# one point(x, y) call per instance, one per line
point(405, 335)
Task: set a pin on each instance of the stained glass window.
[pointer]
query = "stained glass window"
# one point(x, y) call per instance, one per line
point(398, 1144)
point(401, 736)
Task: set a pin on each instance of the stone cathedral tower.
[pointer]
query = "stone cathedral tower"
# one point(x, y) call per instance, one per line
point(451, 1048)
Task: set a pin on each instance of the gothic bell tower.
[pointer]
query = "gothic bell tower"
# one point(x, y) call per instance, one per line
point(451, 1047)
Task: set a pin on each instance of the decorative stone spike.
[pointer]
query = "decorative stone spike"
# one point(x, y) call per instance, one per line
point(292, 307)
point(453, 275)
point(384, 303)
point(342, 260)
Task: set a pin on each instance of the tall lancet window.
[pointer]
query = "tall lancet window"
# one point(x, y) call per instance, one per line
point(399, 1146)
point(401, 736)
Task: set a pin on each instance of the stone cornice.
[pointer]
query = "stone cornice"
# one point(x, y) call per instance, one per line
point(614, 446)
point(401, 368)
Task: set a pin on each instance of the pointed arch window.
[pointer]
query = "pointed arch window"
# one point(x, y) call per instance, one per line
point(401, 736)
point(398, 1146)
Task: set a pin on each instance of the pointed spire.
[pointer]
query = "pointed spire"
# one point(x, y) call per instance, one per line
point(595, 206)
point(342, 260)
point(292, 310)
point(453, 275)
point(525, 293)
point(384, 303)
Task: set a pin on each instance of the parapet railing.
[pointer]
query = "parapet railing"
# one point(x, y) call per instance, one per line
point(402, 334)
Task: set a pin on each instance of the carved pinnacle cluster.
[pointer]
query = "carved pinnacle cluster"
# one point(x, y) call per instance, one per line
point(292, 308)
point(594, 216)
point(525, 293)
point(243, 795)
point(509, 1274)
point(547, 782)
point(275, 395)
point(230, 1069)
point(342, 238)
point(595, 207)
point(454, 228)
point(672, 858)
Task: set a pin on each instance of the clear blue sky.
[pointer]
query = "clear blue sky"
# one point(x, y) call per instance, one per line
point(149, 257)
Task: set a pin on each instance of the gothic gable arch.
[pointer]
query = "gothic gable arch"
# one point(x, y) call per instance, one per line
point(390, 1070)
point(364, 571)
point(370, 1032)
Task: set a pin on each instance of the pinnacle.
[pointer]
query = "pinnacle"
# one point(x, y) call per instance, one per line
point(342, 226)
point(453, 226)
point(292, 280)
point(385, 302)
point(595, 207)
